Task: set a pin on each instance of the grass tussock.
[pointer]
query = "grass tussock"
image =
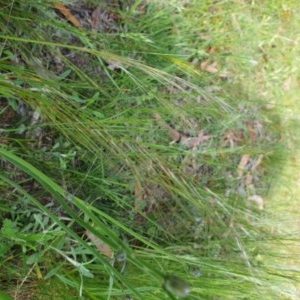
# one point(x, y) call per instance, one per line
point(135, 163)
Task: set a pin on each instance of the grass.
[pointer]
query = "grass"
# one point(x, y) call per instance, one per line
point(155, 140)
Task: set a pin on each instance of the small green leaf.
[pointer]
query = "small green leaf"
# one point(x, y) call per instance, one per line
point(85, 272)
point(65, 74)
point(52, 272)
point(34, 258)
point(98, 114)
point(4, 296)
point(9, 228)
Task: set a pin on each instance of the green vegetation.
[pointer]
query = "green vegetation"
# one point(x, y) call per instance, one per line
point(137, 151)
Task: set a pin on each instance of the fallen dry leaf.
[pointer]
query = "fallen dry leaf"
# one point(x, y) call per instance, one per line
point(173, 133)
point(258, 200)
point(114, 65)
point(248, 180)
point(139, 196)
point(100, 245)
point(67, 13)
point(213, 68)
point(95, 18)
point(242, 164)
point(250, 126)
point(257, 162)
point(230, 137)
point(192, 142)
point(208, 66)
